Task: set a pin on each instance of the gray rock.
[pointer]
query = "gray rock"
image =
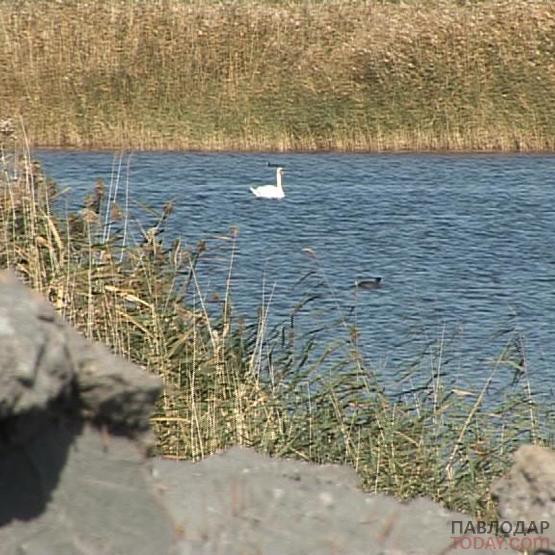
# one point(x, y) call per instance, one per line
point(117, 394)
point(243, 503)
point(68, 486)
point(527, 493)
point(77, 492)
point(34, 366)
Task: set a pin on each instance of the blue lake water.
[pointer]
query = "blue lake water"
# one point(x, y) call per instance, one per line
point(464, 243)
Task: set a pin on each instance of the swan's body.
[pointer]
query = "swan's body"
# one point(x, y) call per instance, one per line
point(270, 191)
point(374, 283)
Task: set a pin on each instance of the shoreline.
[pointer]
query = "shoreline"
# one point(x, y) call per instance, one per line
point(420, 152)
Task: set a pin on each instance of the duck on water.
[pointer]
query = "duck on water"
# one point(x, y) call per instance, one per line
point(271, 191)
point(372, 283)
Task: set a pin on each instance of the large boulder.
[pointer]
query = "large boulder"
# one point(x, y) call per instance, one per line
point(243, 503)
point(73, 430)
point(34, 366)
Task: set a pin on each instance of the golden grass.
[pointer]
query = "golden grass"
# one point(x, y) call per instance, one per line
point(173, 74)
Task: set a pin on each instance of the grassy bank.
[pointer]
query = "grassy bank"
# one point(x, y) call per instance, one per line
point(270, 75)
point(229, 382)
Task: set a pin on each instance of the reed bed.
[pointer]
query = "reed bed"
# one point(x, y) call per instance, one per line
point(358, 75)
point(228, 382)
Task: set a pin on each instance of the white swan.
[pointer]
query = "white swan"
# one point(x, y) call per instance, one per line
point(271, 191)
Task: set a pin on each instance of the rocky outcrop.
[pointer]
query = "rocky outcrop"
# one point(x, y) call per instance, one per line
point(527, 493)
point(74, 478)
point(242, 503)
point(73, 427)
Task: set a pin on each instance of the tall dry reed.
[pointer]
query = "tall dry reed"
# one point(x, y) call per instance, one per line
point(361, 75)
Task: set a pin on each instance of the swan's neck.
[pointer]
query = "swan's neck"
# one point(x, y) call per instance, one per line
point(278, 179)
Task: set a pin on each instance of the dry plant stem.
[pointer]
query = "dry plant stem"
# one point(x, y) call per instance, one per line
point(475, 408)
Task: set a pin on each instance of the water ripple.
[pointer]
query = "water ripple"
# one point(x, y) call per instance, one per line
point(464, 243)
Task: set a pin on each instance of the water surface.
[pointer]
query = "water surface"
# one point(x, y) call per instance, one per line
point(464, 243)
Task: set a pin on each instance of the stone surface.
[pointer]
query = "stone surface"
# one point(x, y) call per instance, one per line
point(243, 503)
point(116, 394)
point(67, 486)
point(34, 367)
point(72, 491)
point(527, 493)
